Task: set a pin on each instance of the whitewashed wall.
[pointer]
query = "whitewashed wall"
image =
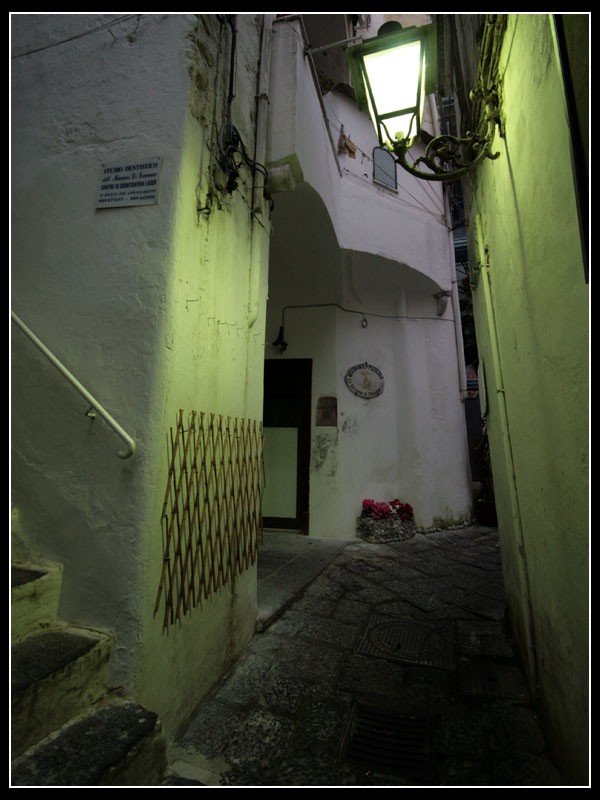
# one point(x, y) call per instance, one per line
point(154, 308)
point(340, 239)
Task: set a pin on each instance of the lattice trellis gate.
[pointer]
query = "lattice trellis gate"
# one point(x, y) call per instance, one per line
point(212, 511)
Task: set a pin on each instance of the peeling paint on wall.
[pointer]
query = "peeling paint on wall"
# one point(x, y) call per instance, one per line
point(350, 426)
point(324, 453)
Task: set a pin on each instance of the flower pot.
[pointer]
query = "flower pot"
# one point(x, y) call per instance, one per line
point(385, 530)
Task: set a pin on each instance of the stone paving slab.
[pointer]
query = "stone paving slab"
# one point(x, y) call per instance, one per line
point(282, 716)
point(287, 563)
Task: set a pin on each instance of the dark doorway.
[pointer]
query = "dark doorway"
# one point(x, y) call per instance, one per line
point(287, 429)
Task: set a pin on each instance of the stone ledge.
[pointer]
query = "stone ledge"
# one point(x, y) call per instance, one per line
point(35, 595)
point(44, 654)
point(55, 676)
point(116, 744)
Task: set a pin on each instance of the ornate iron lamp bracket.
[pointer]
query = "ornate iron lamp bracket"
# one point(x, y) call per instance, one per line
point(449, 157)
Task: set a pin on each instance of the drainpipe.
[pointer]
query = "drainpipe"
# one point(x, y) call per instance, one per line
point(458, 335)
point(290, 18)
point(257, 230)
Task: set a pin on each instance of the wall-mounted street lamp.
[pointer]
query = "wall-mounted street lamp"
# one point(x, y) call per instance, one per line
point(280, 343)
point(391, 74)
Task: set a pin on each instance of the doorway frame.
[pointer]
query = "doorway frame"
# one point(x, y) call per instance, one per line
point(288, 403)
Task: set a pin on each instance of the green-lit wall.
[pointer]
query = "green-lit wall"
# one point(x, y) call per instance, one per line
point(154, 308)
point(531, 311)
point(210, 359)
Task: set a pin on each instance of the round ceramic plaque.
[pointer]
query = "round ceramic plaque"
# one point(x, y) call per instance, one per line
point(364, 380)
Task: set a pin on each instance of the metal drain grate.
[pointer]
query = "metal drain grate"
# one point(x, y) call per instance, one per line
point(381, 740)
point(487, 679)
point(429, 644)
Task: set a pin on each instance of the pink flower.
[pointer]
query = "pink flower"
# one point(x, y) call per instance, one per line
point(402, 510)
point(380, 510)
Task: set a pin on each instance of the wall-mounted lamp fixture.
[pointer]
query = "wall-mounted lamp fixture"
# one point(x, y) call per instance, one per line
point(391, 74)
point(280, 343)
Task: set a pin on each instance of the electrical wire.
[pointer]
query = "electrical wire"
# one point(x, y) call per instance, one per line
point(211, 193)
point(104, 27)
point(361, 313)
point(232, 153)
point(400, 186)
point(227, 147)
point(253, 213)
point(426, 187)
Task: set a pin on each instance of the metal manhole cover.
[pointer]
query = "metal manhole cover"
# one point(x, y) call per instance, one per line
point(429, 644)
point(488, 679)
point(385, 741)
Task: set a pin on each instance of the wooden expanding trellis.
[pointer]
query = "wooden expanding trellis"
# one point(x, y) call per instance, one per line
point(211, 515)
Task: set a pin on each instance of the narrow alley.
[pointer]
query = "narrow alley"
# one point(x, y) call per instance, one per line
point(248, 292)
point(372, 665)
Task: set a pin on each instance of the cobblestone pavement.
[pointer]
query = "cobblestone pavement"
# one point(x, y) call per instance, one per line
point(392, 667)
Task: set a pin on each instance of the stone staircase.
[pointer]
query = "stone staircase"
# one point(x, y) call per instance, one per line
point(66, 727)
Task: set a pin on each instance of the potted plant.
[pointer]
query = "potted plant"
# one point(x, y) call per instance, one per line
point(386, 522)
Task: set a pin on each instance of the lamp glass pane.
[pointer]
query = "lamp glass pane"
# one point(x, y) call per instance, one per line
point(396, 128)
point(394, 77)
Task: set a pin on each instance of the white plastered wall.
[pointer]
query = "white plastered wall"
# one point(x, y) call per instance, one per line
point(340, 239)
point(152, 308)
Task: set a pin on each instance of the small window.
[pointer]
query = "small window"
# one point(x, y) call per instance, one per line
point(384, 168)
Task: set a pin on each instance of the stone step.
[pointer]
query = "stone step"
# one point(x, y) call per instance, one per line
point(118, 744)
point(55, 676)
point(35, 595)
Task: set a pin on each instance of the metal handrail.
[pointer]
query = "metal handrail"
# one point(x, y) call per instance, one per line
point(94, 404)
